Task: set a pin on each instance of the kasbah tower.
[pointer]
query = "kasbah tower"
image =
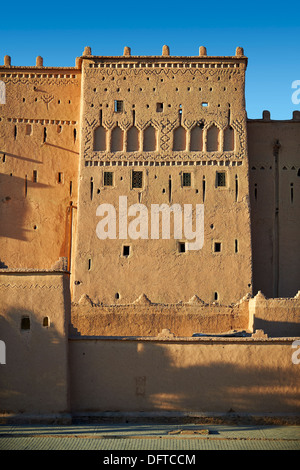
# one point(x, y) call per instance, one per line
point(149, 130)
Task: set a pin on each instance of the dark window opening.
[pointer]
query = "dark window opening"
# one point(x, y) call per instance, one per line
point(126, 251)
point(34, 176)
point(186, 179)
point(137, 179)
point(108, 178)
point(60, 177)
point(221, 179)
point(292, 192)
point(46, 321)
point(236, 247)
point(159, 107)
point(217, 247)
point(118, 106)
point(181, 247)
point(25, 323)
point(216, 296)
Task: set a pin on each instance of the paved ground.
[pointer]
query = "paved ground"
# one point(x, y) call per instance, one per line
point(149, 437)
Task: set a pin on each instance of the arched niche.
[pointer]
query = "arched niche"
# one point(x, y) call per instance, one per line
point(179, 140)
point(228, 139)
point(100, 139)
point(196, 138)
point(212, 142)
point(133, 142)
point(150, 139)
point(117, 139)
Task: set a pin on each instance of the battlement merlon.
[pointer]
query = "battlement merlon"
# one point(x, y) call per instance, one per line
point(200, 60)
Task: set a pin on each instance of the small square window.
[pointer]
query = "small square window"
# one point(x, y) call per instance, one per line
point(221, 179)
point(118, 106)
point(186, 179)
point(108, 178)
point(159, 107)
point(137, 179)
point(217, 247)
point(181, 247)
point(126, 251)
point(25, 323)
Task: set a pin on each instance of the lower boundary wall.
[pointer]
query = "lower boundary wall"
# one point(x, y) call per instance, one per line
point(111, 377)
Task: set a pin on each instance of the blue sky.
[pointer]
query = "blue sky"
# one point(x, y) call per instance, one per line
point(268, 31)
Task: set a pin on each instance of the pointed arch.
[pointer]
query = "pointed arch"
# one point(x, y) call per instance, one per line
point(133, 139)
point(212, 143)
point(150, 139)
point(229, 139)
point(117, 139)
point(100, 139)
point(196, 138)
point(179, 140)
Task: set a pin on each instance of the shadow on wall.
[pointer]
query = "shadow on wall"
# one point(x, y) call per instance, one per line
point(147, 376)
point(15, 205)
point(33, 380)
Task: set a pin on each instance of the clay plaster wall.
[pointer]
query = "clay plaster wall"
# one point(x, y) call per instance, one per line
point(142, 318)
point(274, 148)
point(245, 376)
point(39, 153)
point(35, 376)
point(276, 317)
point(167, 94)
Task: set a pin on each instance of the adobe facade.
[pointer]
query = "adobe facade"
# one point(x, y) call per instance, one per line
point(130, 133)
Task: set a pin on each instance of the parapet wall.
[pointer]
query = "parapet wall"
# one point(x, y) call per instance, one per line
point(144, 318)
point(276, 317)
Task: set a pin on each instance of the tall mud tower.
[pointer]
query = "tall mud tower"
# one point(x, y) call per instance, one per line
point(162, 132)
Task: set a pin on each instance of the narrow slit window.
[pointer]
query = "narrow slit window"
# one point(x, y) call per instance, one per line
point(137, 179)
point(34, 176)
point(89, 264)
point(236, 246)
point(216, 296)
point(292, 192)
point(60, 177)
point(186, 179)
point(108, 178)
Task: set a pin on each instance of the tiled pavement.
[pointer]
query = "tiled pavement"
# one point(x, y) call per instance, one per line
point(149, 437)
